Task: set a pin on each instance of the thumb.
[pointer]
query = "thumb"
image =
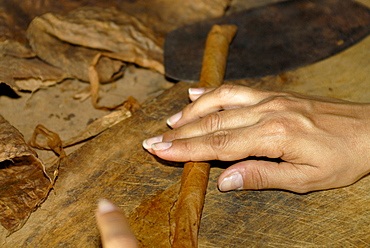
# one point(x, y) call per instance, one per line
point(258, 174)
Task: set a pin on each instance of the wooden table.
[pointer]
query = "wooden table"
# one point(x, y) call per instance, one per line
point(115, 166)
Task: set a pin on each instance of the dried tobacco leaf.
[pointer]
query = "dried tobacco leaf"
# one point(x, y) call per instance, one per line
point(11, 26)
point(73, 60)
point(104, 123)
point(23, 180)
point(72, 41)
point(17, 72)
point(175, 14)
point(15, 49)
point(95, 84)
point(150, 220)
point(49, 141)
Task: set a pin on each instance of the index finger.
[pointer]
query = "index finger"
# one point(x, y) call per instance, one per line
point(113, 226)
point(261, 139)
point(221, 98)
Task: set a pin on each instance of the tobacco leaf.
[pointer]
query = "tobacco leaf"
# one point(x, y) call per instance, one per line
point(151, 220)
point(73, 60)
point(15, 49)
point(11, 26)
point(95, 84)
point(175, 14)
point(98, 126)
point(105, 122)
point(71, 41)
point(24, 183)
point(28, 74)
point(45, 139)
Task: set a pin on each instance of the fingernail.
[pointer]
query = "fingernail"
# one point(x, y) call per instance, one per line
point(149, 142)
point(161, 146)
point(196, 91)
point(173, 119)
point(105, 206)
point(234, 181)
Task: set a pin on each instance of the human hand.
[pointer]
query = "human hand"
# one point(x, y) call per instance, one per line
point(323, 142)
point(113, 226)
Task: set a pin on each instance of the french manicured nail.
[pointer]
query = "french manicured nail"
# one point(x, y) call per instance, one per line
point(161, 146)
point(175, 118)
point(105, 206)
point(232, 182)
point(196, 91)
point(149, 142)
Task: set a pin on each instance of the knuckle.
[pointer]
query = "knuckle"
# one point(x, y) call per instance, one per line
point(276, 126)
point(189, 109)
point(211, 122)
point(281, 102)
point(189, 151)
point(172, 135)
point(226, 92)
point(219, 141)
point(258, 178)
point(187, 146)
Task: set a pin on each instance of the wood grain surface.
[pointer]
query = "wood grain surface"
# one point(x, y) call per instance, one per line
point(115, 166)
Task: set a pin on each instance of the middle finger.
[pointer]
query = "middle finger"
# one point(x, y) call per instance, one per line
point(217, 121)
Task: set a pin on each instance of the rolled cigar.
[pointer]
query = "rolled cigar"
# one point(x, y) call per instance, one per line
point(194, 180)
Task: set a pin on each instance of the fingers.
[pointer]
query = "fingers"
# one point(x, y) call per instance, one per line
point(217, 121)
point(226, 145)
point(113, 226)
point(213, 100)
point(233, 123)
point(254, 174)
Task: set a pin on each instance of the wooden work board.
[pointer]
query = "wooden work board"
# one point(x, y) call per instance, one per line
point(115, 166)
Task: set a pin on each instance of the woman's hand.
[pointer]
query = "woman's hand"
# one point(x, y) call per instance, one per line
point(323, 142)
point(114, 229)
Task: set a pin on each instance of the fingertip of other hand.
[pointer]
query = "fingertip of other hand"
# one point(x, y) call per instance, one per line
point(114, 226)
point(105, 206)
